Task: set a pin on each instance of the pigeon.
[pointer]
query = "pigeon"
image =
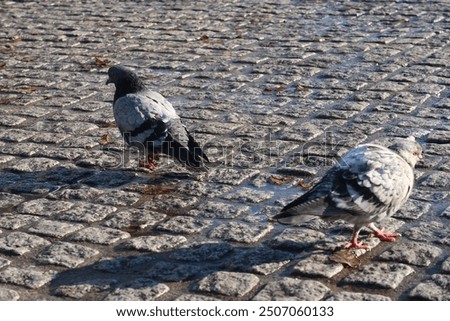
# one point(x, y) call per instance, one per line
point(369, 183)
point(148, 121)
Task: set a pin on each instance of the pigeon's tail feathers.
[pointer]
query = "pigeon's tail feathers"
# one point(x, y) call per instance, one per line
point(195, 149)
point(183, 153)
point(301, 210)
point(182, 146)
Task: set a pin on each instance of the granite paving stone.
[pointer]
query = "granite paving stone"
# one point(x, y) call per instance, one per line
point(230, 284)
point(33, 165)
point(4, 262)
point(133, 219)
point(432, 231)
point(437, 179)
point(355, 296)
point(138, 290)
point(82, 290)
point(124, 264)
point(168, 272)
point(258, 260)
point(414, 253)
point(82, 193)
point(412, 209)
point(54, 228)
point(248, 195)
point(195, 297)
point(184, 225)
point(240, 232)
point(87, 212)
point(18, 243)
point(169, 204)
point(231, 176)
point(9, 295)
point(118, 198)
point(23, 149)
point(211, 209)
point(297, 238)
point(434, 289)
point(201, 252)
point(380, 275)
point(31, 278)
point(66, 254)
point(99, 235)
point(160, 243)
point(317, 265)
point(44, 207)
point(5, 158)
point(9, 199)
point(290, 289)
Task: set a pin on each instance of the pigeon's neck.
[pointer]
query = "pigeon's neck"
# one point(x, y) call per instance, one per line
point(130, 85)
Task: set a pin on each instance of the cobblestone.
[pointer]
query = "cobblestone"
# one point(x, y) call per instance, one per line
point(44, 207)
point(288, 289)
point(434, 289)
point(19, 243)
point(240, 232)
point(229, 284)
point(412, 253)
point(352, 296)
point(9, 295)
point(273, 109)
point(81, 291)
point(155, 243)
point(66, 254)
point(29, 278)
point(381, 275)
point(143, 290)
point(100, 235)
point(317, 266)
point(87, 212)
point(54, 228)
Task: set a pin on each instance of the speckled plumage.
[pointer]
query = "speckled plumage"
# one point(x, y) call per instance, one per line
point(368, 184)
point(147, 120)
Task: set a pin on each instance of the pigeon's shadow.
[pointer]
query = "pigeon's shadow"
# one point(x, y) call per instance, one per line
point(41, 183)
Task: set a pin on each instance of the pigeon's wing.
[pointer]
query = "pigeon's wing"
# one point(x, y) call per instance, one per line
point(143, 117)
point(371, 180)
point(312, 203)
point(368, 181)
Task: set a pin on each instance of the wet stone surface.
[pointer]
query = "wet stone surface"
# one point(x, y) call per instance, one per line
point(273, 110)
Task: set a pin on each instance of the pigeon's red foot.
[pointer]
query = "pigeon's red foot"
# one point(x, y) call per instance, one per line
point(151, 164)
point(354, 244)
point(387, 237)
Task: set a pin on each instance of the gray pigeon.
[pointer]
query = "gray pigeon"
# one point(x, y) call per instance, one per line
point(147, 120)
point(369, 183)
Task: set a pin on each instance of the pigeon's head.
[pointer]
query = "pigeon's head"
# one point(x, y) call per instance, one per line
point(125, 79)
point(408, 149)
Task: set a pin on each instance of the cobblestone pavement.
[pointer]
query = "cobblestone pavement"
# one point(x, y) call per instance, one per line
point(275, 91)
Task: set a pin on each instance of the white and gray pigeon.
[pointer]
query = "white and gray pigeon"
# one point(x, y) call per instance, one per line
point(369, 183)
point(148, 121)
